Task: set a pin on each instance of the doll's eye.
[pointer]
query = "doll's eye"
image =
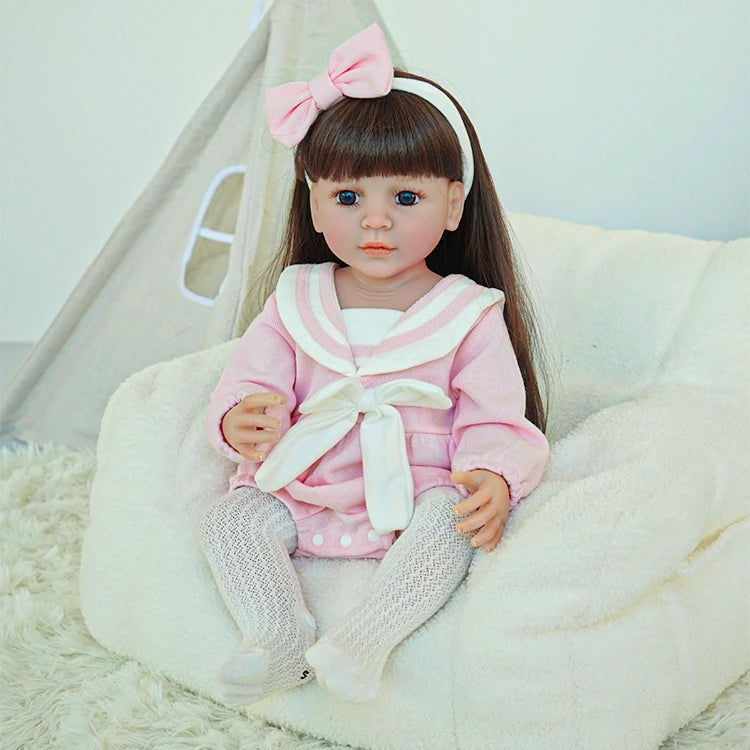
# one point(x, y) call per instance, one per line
point(407, 198)
point(347, 198)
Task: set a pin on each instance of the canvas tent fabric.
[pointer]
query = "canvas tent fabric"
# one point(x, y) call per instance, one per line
point(175, 275)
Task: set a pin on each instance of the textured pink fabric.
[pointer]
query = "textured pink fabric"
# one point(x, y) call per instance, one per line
point(360, 68)
point(485, 429)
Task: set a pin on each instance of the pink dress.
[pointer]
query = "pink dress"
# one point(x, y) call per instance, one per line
point(441, 392)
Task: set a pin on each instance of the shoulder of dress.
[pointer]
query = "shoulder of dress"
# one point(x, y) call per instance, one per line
point(306, 274)
point(458, 279)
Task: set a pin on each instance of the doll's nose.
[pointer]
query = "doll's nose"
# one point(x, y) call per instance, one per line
point(376, 219)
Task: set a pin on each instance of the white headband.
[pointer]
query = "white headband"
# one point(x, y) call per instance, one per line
point(447, 108)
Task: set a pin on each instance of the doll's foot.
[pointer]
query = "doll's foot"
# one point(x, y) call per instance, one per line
point(338, 673)
point(251, 675)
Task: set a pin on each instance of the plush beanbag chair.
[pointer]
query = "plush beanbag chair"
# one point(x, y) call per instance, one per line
point(615, 608)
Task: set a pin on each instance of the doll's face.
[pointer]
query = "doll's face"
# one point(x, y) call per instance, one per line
point(384, 227)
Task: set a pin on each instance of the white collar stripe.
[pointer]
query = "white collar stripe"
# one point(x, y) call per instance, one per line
point(291, 293)
point(438, 341)
point(315, 294)
point(328, 298)
point(442, 320)
point(433, 303)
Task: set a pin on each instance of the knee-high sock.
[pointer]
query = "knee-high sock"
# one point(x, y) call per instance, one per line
point(414, 579)
point(248, 537)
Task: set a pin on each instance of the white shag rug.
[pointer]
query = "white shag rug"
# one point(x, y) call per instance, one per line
point(60, 689)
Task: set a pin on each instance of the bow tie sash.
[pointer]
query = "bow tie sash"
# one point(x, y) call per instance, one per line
point(330, 414)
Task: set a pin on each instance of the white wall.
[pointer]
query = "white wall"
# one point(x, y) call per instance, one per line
point(632, 113)
point(622, 114)
point(94, 93)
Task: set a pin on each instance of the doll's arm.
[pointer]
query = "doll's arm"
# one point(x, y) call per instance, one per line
point(255, 393)
point(494, 447)
point(486, 509)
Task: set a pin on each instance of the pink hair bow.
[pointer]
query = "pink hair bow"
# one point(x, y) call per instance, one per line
point(360, 68)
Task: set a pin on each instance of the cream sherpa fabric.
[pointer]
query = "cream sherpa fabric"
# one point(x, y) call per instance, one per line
point(616, 607)
point(63, 690)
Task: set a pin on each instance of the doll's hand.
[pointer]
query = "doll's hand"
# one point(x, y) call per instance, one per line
point(488, 506)
point(246, 426)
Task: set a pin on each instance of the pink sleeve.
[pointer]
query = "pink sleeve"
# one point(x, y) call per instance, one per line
point(264, 360)
point(489, 429)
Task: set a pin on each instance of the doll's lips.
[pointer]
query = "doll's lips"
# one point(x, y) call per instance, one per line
point(376, 248)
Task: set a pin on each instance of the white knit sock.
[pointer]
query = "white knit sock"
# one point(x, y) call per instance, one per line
point(248, 537)
point(414, 579)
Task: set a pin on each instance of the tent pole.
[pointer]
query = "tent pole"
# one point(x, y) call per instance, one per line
point(257, 15)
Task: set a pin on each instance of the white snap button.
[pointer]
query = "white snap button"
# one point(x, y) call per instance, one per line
point(317, 540)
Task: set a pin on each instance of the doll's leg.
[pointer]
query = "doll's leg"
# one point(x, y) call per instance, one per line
point(248, 537)
point(414, 579)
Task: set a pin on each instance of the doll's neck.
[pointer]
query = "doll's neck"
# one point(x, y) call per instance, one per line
point(354, 289)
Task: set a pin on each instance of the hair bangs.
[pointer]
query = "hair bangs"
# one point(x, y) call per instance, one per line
point(399, 133)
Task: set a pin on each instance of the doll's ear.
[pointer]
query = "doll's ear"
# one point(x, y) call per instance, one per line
point(315, 208)
point(455, 205)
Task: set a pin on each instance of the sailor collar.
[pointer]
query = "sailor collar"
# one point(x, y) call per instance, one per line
point(433, 326)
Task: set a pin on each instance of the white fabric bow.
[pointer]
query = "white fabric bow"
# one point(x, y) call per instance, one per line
point(330, 414)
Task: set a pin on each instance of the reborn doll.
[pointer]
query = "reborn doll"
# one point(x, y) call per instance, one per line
point(384, 404)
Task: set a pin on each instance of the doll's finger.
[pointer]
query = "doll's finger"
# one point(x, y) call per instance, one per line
point(472, 503)
point(490, 546)
point(263, 399)
point(249, 436)
point(468, 505)
point(488, 542)
point(253, 450)
point(487, 533)
point(263, 447)
point(498, 536)
point(476, 520)
point(267, 436)
point(466, 479)
point(259, 403)
point(250, 453)
point(464, 507)
point(259, 454)
point(258, 421)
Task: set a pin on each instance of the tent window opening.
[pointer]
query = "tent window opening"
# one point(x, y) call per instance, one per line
point(206, 260)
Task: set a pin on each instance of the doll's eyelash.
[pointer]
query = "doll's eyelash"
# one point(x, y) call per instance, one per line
point(417, 196)
point(402, 197)
point(349, 194)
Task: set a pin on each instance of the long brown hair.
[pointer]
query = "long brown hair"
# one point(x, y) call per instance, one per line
point(401, 133)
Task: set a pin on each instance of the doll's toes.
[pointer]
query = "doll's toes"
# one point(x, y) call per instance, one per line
point(245, 668)
point(339, 675)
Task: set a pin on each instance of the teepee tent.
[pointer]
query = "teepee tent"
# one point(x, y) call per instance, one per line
point(174, 277)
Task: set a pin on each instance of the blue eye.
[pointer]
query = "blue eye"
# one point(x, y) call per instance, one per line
point(407, 198)
point(347, 198)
